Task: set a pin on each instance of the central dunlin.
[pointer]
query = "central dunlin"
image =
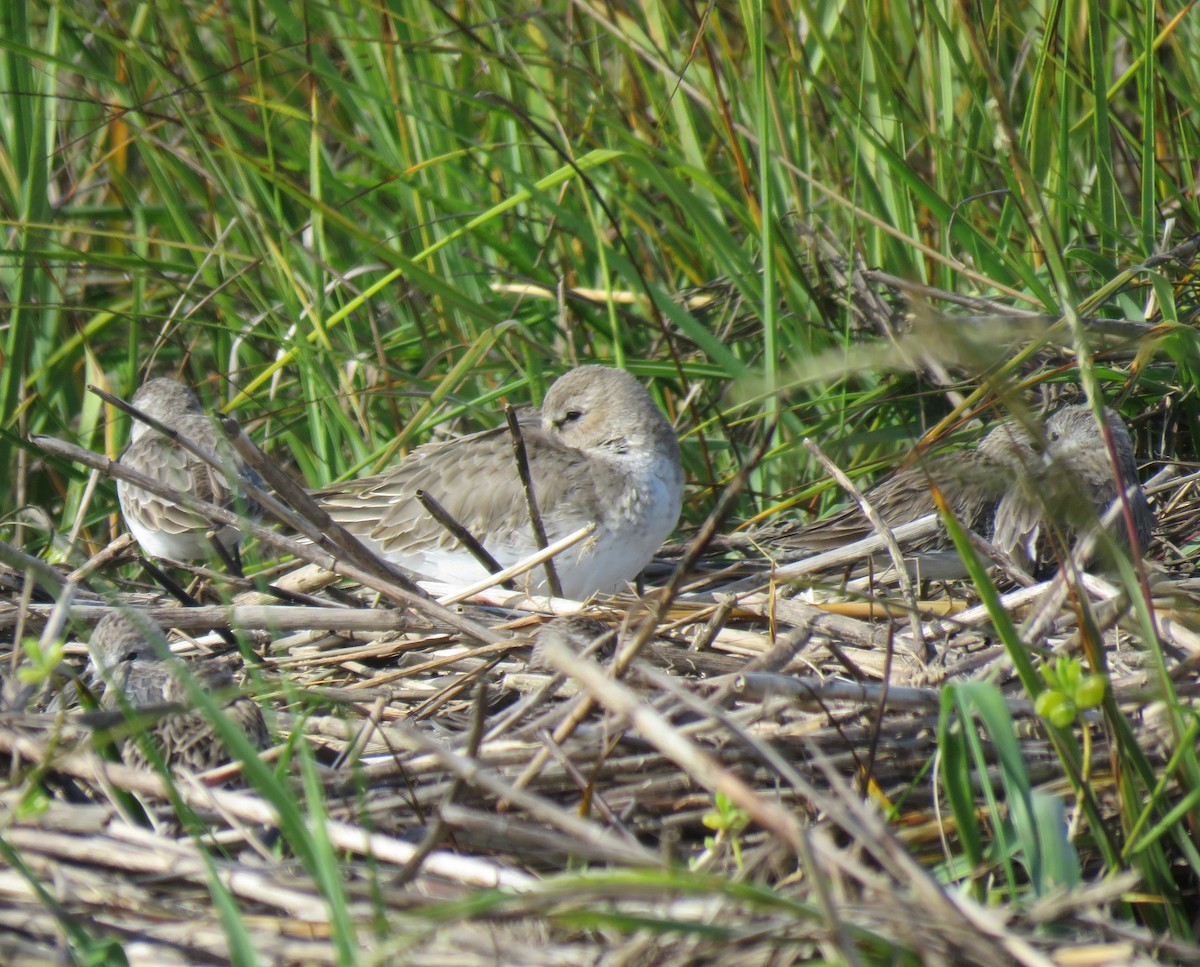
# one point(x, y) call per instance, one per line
point(600, 452)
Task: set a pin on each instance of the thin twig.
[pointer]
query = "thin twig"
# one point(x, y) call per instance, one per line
point(461, 534)
point(32, 567)
point(812, 692)
point(526, 564)
point(299, 512)
point(535, 516)
point(907, 587)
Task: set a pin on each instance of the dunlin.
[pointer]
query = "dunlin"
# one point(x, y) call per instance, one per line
point(124, 658)
point(162, 527)
point(1073, 486)
point(601, 451)
point(971, 482)
point(1004, 490)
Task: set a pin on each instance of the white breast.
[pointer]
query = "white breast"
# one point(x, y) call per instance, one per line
point(636, 521)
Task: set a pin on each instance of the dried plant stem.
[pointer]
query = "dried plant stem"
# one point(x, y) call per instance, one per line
point(535, 516)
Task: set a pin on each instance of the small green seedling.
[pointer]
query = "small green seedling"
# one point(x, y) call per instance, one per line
point(727, 821)
point(40, 664)
point(1069, 691)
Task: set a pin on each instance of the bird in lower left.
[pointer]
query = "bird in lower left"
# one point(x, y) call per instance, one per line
point(125, 660)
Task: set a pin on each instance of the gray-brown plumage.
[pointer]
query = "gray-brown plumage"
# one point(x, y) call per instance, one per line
point(578, 632)
point(971, 481)
point(124, 658)
point(1004, 490)
point(162, 527)
point(1074, 485)
point(599, 452)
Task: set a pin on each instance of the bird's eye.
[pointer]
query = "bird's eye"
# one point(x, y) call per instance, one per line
point(572, 416)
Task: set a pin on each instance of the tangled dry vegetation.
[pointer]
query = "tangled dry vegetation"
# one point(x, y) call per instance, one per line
point(745, 776)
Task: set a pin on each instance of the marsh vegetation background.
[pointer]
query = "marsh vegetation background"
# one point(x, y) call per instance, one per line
point(354, 226)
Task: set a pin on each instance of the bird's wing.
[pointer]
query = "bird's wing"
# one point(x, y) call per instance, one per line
point(476, 480)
